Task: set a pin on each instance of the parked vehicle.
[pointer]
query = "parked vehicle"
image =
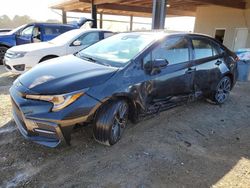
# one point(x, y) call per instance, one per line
point(20, 59)
point(34, 32)
point(125, 77)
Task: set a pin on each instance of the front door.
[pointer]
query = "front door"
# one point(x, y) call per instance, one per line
point(25, 36)
point(177, 78)
point(83, 42)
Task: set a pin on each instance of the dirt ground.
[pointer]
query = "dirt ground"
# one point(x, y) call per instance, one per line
point(195, 145)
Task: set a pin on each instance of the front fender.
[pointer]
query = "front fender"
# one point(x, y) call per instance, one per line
point(7, 45)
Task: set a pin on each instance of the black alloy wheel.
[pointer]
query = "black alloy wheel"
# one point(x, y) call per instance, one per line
point(111, 121)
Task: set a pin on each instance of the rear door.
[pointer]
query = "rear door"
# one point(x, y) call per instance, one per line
point(208, 58)
point(177, 78)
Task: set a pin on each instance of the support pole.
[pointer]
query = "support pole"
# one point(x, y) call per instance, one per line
point(158, 14)
point(64, 17)
point(94, 14)
point(100, 21)
point(131, 23)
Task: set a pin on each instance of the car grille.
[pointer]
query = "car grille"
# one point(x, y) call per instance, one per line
point(18, 114)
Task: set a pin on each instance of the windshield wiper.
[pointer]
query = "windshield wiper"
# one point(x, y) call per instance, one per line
point(88, 58)
point(94, 60)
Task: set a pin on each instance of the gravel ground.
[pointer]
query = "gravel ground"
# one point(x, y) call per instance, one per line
point(195, 145)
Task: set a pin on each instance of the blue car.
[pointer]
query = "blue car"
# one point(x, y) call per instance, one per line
point(34, 32)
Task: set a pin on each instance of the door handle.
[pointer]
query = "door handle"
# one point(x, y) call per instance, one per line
point(218, 62)
point(190, 70)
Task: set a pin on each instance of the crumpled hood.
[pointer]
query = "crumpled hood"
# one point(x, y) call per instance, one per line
point(32, 47)
point(64, 75)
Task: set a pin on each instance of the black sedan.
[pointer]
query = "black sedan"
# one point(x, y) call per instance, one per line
point(128, 76)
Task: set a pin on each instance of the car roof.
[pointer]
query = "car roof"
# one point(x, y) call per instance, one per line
point(81, 31)
point(52, 24)
point(75, 33)
point(162, 34)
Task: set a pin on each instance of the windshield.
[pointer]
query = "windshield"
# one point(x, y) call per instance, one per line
point(119, 49)
point(16, 30)
point(66, 37)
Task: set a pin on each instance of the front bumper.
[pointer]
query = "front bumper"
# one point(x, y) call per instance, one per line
point(34, 130)
point(37, 123)
point(12, 65)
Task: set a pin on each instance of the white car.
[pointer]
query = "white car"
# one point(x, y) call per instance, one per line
point(20, 59)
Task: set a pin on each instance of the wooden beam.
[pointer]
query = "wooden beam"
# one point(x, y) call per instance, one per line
point(75, 6)
point(132, 10)
point(99, 2)
point(62, 4)
point(226, 3)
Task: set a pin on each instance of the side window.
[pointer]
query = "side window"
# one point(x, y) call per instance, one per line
point(217, 49)
point(64, 29)
point(174, 50)
point(27, 31)
point(52, 30)
point(48, 31)
point(89, 39)
point(107, 34)
point(204, 48)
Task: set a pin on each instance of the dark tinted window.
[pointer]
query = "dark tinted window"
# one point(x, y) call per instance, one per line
point(204, 48)
point(174, 49)
point(53, 30)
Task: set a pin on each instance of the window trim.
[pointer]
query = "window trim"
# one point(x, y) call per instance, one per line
point(25, 29)
point(83, 35)
point(211, 42)
point(158, 43)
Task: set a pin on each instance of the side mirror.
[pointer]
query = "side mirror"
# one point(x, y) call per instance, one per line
point(155, 66)
point(77, 43)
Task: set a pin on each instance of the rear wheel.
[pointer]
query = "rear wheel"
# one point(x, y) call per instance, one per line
point(110, 122)
point(3, 50)
point(223, 88)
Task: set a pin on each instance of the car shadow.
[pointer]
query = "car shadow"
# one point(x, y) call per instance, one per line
point(6, 78)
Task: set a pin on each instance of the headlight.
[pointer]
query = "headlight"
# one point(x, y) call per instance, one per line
point(14, 55)
point(59, 101)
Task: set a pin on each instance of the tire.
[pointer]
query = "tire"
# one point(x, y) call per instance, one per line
point(3, 50)
point(110, 122)
point(222, 91)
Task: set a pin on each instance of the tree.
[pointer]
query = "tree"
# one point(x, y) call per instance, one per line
point(20, 20)
point(6, 22)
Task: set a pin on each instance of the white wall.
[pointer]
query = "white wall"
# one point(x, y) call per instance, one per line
point(211, 17)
